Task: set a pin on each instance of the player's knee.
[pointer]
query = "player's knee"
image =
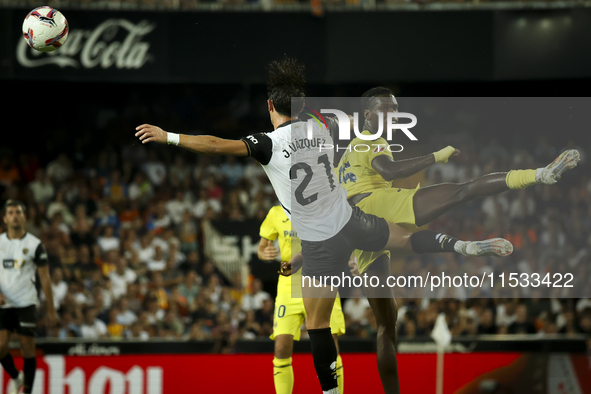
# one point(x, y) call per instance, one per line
point(283, 346)
point(462, 195)
point(388, 329)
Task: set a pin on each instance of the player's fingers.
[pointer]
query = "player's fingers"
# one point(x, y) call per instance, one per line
point(143, 126)
point(457, 152)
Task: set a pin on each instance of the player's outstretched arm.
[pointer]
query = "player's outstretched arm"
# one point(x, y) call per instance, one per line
point(390, 169)
point(204, 144)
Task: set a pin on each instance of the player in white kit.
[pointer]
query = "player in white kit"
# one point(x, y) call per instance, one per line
point(303, 178)
point(22, 255)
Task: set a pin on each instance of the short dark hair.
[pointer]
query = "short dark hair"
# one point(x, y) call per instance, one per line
point(14, 203)
point(378, 91)
point(285, 80)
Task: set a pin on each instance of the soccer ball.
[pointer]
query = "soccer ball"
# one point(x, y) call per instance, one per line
point(45, 29)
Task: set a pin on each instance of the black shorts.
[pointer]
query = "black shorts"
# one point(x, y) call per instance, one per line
point(330, 257)
point(23, 321)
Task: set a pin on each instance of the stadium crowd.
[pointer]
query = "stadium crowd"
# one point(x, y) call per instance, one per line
point(122, 224)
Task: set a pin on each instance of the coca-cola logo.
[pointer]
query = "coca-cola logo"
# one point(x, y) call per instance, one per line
point(114, 43)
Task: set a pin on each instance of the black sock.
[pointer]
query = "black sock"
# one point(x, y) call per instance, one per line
point(8, 365)
point(324, 354)
point(429, 241)
point(29, 370)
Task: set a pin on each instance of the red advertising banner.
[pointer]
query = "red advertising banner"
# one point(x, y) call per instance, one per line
point(464, 373)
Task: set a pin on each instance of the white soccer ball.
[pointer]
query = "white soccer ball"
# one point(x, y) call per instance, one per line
point(45, 29)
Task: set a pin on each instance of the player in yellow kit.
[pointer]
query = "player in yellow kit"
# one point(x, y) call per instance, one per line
point(289, 312)
point(367, 176)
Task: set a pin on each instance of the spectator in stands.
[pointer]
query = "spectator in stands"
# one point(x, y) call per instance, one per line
point(521, 325)
point(42, 188)
point(121, 278)
point(93, 328)
point(254, 300)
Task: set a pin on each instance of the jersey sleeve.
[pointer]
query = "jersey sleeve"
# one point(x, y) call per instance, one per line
point(40, 259)
point(268, 229)
point(260, 147)
point(378, 147)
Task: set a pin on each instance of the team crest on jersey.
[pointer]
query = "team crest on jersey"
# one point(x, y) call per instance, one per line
point(379, 149)
point(25, 250)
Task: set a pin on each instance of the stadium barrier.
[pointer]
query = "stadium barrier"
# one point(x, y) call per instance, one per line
point(471, 365)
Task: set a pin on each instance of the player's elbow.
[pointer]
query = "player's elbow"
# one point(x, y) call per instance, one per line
point(391, 174)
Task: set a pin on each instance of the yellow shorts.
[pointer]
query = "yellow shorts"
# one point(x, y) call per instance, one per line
point(290, 315)
point(393, 204)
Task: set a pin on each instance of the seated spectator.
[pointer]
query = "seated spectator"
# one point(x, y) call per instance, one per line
point(487, 325)
point(41, 187)
point(189, 287)
point(60, 169)
point(93, 328)
point(108, 240)
point(114, 328)
point(521, 325)
point(125, 316)
point(265, 314)
point(355, 309)
point(121, 278)
point(81, 233)
point(254, 300)
point(59, 287)
point(177, 207)
point(9, 174)
point(158, 261)
point(198, 331)
point(136, 331)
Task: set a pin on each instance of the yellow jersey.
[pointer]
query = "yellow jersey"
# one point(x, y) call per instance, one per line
point(355, 171)
point(278, 226)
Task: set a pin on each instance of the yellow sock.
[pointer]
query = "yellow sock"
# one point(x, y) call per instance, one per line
point(340, 375)
point(283, 375)
point(520, 179)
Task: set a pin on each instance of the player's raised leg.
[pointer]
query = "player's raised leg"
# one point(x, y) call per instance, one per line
point(432, 201)
point(430, 241)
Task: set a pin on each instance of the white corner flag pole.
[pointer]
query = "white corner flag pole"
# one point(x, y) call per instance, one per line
point(439, 376)
point(442, 337)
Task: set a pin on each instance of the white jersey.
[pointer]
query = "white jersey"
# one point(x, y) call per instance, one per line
point(302, 174)
point(20, 259)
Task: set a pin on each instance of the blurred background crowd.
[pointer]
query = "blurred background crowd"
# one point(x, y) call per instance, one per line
point(122, 224)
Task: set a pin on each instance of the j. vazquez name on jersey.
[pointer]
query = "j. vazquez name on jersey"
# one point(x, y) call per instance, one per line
point(303, 143)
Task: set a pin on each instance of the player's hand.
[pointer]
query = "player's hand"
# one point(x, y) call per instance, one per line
point(353, 265)
point(269, 253)
point(52, 318)
point(292, 266)
point(149, 133)
point(2, 299)
point(456, 153)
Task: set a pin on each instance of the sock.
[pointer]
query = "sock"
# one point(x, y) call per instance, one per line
point(520, 179)
point(8, 365)
point(340, 375)
point(29, 370)
point(324, 354)
point(283, 375)
point(429, 241)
